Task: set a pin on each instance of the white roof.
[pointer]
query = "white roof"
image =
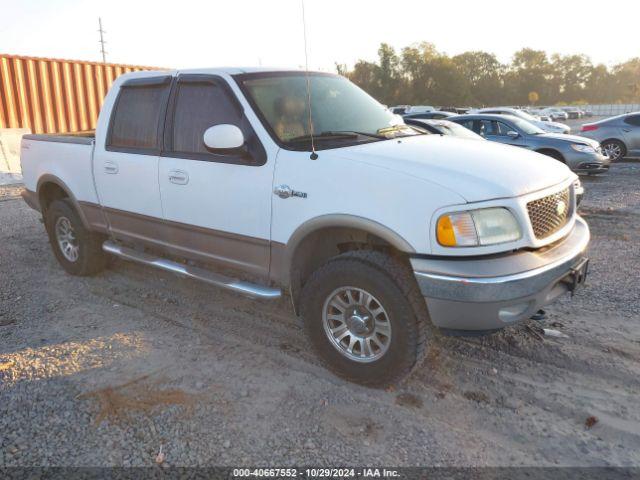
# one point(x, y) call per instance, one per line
point(216, 71)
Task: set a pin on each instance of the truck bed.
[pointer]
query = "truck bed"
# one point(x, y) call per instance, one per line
point(65, 160)
point(83, 138)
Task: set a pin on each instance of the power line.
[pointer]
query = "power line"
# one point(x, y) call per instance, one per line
point(102, 41)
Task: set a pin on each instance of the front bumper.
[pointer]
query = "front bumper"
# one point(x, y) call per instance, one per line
point(588, 162)
point(492, 293)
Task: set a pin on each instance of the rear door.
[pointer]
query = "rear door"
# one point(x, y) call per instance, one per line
point(217, 205)
point(126, 158)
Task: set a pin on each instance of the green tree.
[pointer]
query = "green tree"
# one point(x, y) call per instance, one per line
point(484, 73)
point(423, 75)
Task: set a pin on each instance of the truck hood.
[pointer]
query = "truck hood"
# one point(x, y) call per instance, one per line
point(474, 169)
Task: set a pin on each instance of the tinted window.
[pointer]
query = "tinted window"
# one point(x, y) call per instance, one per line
point(633, 120)
point(466, 123)
point(199, 105)
point(136, 117)
point(488, 127)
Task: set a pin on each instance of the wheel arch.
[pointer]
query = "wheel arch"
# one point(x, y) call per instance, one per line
point(324, 237)
point(552, 152)
point(616, 139)
point(50, 188)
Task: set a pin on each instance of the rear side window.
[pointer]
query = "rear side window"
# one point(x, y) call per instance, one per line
point(198, 106)
point(633, 120)
point(138, 115)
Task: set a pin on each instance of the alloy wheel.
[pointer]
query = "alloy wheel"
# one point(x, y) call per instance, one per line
point(356, 324)
point(67, 240)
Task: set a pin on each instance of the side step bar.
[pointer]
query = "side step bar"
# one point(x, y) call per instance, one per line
point(248, 289)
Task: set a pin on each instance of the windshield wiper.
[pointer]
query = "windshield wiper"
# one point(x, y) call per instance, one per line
point(346, 134)
point(354, 132)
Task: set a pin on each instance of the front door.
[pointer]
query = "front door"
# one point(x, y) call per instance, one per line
point(126, 159)
point(217, 205)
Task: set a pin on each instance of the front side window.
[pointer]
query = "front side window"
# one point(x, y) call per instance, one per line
point(137, 115)
point(488, 127)
point(504, 129)
point(341, 113)
point(198, 106)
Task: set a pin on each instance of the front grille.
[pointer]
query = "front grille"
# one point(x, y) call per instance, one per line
point(549, 214)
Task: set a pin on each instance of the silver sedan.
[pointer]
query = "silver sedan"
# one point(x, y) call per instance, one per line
point(619, 136)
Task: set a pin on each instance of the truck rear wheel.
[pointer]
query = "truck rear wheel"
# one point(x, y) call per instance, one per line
point(365, 317)
point(78, 250)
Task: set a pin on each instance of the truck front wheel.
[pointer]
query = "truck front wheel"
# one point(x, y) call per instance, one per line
point(78, 250)
point(365, 317)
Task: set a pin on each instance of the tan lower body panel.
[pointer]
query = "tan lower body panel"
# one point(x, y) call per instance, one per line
point(240, 252)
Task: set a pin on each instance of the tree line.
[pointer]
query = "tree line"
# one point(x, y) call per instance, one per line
point(421, 75)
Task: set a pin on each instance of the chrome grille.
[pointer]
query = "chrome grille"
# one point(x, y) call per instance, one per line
point(549, 214)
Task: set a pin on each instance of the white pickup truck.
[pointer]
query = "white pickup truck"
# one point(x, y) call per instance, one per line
point(375, 229)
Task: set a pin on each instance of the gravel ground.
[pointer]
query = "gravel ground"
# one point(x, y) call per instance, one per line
point(106, 371)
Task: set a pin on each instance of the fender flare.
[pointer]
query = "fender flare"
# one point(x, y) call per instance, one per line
point(283, 254)
point(49, 178)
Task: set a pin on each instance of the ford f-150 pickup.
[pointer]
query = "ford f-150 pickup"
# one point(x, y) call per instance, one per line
point(300, 182)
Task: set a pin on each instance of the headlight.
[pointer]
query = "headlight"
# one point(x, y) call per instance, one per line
point(583, 148)
point(472, 228)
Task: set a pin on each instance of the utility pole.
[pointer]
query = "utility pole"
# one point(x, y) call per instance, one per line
point(102, 42)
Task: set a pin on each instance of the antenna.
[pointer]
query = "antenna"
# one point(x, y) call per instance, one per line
point(102, 41)
point(314, 155)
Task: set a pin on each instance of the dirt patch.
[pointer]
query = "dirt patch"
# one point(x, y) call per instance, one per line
point(119, 402)
point(476, 396)
point(409, 400)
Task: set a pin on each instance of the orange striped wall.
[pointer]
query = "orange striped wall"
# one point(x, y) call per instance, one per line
point(48, 95)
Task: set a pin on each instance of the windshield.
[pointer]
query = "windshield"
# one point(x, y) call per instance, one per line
point(527, 127)
point(342, 113)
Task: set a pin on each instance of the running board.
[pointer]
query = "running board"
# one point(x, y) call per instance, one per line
point(248, 289)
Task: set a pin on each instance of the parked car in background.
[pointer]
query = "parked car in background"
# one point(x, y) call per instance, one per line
point(415, 109)
point(442, 127)
point(456, 110)
point(537, 114)
point(573, 112)
point(555, 113)
point(619, 136)
point(434, 115)
point(399, 109)
point(551, 127)
point(581, 154)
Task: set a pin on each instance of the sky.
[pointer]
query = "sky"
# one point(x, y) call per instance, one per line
point(212, 33)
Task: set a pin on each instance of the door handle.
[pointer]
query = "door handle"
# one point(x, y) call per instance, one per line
point(283, 191)
point(179, 177)
point(626, 130)
point(110, 167)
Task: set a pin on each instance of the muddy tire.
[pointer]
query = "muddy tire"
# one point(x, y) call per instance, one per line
point(365, 317)
point(78, 250)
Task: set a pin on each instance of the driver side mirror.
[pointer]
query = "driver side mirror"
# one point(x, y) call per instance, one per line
point(513, 134)
point(224, 137)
